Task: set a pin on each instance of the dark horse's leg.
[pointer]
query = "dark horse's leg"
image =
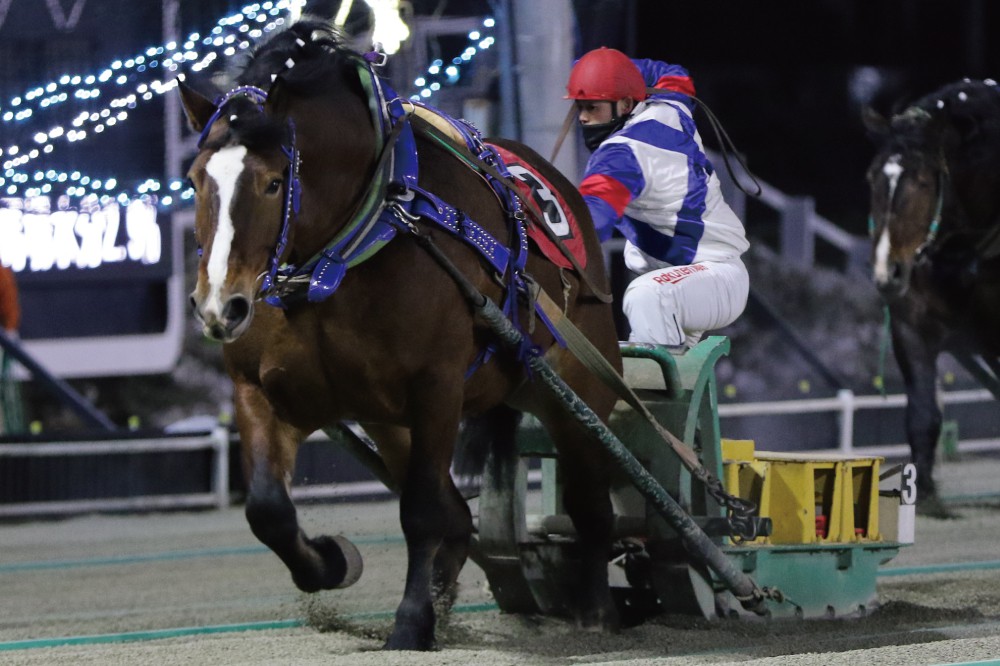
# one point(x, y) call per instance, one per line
point(917, 359)
point(436, 520)
point(269, 449)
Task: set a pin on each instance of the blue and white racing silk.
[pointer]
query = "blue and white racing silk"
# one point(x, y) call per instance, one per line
point(652, 181)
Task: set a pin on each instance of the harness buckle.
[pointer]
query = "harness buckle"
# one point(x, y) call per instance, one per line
point(407, 218)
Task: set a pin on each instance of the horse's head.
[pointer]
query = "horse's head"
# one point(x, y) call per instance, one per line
point(907, 181)
point(247, 184)
point(239, 179)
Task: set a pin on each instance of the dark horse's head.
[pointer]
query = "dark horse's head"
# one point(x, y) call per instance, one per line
point(299, 98)
point(925, 163)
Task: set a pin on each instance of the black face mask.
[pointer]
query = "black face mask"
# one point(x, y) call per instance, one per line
point(594, 135)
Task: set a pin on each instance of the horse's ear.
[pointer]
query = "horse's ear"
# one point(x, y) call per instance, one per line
point(277, 99)
point(876, 124)
point(197, 108)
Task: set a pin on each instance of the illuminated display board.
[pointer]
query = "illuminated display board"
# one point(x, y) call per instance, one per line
point(37, 239)
point(100, 292)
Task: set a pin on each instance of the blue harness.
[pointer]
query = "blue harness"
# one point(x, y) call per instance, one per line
point(393, 203)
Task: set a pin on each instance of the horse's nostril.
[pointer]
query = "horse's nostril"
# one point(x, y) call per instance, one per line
point(193, 301)
point(236, 310)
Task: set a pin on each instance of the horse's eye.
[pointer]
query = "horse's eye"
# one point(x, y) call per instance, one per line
point(274, 186)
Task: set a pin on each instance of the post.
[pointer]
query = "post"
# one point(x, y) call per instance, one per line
point(220, 481)
point(846, 398)
point(798, 243)
point(510, 122)
point(173, 147)
point(544, 52)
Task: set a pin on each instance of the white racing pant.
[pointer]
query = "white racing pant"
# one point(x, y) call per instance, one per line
point(677, 304)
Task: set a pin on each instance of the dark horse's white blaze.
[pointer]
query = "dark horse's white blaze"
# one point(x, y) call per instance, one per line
point(892, 170)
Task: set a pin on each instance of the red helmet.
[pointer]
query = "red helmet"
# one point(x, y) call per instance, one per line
point(605, 74)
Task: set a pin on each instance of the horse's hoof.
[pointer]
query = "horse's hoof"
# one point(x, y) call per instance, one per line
point(354, 564)
point(410, 640)
point(931, 506)
point(341, 565)
point(603, 619)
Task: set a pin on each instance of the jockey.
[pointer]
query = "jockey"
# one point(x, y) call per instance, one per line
point(649, 178)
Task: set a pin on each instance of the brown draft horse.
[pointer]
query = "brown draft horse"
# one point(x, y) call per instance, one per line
point(391, 347)
point(935, 227)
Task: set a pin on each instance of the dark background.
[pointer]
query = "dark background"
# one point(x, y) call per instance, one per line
point(786, 78)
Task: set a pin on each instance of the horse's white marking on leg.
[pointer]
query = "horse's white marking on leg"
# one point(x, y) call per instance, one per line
point(225, 168)
point(882, 258)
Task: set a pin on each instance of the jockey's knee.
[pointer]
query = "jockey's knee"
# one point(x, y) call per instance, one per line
point(652, 313)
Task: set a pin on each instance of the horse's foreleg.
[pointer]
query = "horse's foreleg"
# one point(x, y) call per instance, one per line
point(435, 519)
point(394, 448)
point(269, 448)
point(917, 361)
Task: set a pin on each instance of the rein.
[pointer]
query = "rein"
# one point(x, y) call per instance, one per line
point(925, 248)
point(720, 135)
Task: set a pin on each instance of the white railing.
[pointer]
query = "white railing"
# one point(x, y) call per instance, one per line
point(846, 403)
point(218, 496)
point(800, 224)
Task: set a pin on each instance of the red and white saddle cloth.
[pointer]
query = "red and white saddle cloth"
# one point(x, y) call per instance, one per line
point(558, 216)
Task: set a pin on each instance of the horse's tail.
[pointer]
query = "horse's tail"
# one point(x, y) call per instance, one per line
point(493, 431)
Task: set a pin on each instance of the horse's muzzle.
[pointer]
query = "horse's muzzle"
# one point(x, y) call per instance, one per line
point(230, 323)
point(895, 282)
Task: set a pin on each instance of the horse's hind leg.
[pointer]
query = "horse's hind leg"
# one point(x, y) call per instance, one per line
point(269, 447)
point(585, 473)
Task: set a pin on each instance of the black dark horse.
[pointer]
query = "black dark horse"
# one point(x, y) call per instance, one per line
point(935, 226)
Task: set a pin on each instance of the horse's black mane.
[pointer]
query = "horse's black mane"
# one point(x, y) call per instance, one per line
point(309, 58)
point(970, 108)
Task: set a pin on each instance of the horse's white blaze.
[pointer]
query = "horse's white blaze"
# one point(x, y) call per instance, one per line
point(892, 170)
point(882, 258)
point(224, 168)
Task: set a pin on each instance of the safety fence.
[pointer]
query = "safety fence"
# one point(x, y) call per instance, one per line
point(845, 404)
point(217, 443)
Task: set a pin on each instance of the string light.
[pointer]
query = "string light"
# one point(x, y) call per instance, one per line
point(129, 82)
point(227, 37)
point(439, 74)
point(388, 28)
